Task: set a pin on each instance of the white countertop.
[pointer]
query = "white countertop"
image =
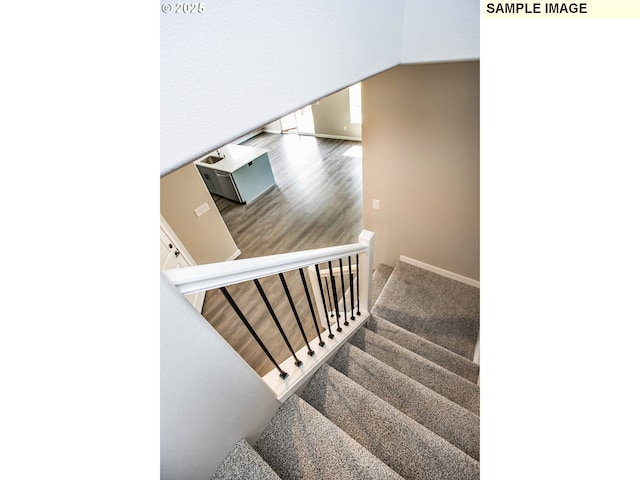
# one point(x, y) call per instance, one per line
point(235, 157)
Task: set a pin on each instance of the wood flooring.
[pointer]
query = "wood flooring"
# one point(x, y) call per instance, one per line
point(316, 202)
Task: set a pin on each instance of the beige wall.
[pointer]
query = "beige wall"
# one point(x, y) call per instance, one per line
point(331, 115)
point(421, 159)
point(206, 238)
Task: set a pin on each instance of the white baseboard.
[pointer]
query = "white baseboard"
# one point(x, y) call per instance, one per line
point(337, 137)
point(248, 136)
point(453, 276)
point(319, 135)
point(440, 271)
point(476, 353)
point(235, 255)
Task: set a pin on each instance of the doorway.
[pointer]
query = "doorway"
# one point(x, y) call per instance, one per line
point(299, 122)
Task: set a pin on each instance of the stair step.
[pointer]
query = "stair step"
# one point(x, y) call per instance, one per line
point(244, 463)
point(452, 422)
point(439, 379)
point(299, 442)
point(399, 400)
point(425, 348)
point(380, 277)
point(409, 448)
point(435, 307)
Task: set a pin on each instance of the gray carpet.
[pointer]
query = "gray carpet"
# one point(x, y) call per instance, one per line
point(451, 421)
point(439, 379)
point(412, 450)
point(244, 463)
point(425, 348)
point(299, 442)
point(442, 310)
point(380, 277)
point(398, 401)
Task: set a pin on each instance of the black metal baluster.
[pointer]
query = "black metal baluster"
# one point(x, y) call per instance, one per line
point(335, 298)
point(333, 294)
point(244, 320)
point(313, 315)
point(275, 320)
point(324, 303)
point(328, 294)
point(351, 287)
point(344, 297)
point(358, 281)
point(295, 314)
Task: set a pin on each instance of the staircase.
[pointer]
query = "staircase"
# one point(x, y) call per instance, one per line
point(399, 400)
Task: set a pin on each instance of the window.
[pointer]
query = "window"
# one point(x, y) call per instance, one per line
point(355, 106)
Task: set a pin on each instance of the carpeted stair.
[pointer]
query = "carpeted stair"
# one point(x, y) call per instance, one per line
point(437, 308)
point(394, 402)
point(429, 350)
point(244, 462)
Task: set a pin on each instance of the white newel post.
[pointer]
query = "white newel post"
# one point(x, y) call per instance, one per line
point(366, 269)
point(365, 239)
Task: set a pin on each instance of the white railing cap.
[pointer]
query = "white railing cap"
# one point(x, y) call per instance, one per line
point(215, 275)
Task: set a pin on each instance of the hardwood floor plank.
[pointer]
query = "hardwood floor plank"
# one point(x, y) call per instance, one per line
point(316, 202)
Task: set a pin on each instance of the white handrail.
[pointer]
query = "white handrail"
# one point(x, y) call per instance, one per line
point(215, 275)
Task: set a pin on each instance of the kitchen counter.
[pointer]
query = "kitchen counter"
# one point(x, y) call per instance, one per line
point(242, 175)
point(235, 157)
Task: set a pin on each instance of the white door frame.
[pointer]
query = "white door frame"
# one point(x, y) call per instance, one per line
point(197, 299)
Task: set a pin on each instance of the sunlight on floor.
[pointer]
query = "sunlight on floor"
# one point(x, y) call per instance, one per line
point(355, 151)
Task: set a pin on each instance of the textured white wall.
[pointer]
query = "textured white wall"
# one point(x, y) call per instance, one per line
point(242, 64)
point(440, 31)
point(227, 72)
point(209, 397)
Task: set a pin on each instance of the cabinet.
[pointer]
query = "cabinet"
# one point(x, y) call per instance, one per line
point(242, 174)
point(209, 178)
point(253, 179)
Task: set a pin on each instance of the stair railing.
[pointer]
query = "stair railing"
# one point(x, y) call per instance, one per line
point(351, 295)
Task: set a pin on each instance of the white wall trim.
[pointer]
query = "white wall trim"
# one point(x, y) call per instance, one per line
point(248, 136)
point(476, 353)
point(198, 299)
point(440, 271)
point(337, 137)
point(179, 245)
point(320, 135)
point(476, 357)
point(269, 130)
point(235, 255)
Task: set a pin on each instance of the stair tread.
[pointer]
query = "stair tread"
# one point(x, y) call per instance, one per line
point(435, 307)
point(398, 401)
point(425, 348)
point(412, 450)
point(454, 387)
point(300, 443)
point(244, 463)
point(380, 277)
point(451, 421)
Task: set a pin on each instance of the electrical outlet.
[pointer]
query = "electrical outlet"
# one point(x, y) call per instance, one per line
point(201, 209)
point(376, 204)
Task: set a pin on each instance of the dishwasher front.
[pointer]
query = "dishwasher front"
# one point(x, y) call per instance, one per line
point(227, 186)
